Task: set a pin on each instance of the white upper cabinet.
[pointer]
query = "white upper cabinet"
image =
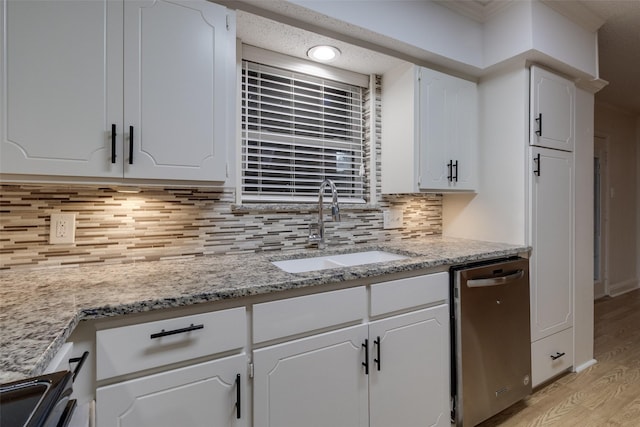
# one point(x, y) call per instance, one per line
point(552, 110)
point(61, 87)
point(178, 83)
point(447, 131)
point(429, 131)
point(111, 89)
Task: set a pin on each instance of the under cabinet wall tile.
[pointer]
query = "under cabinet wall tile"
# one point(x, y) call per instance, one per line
point(160, 223)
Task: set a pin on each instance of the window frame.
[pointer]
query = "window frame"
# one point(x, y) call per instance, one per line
point(321, 71)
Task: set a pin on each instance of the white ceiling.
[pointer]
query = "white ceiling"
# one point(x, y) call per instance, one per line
point(618, 40)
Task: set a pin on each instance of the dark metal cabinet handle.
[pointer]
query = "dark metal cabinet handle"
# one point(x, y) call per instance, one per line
point(450, 170)
point(557, 356)
point(455, 177)
point(164, 333)
point(80, 361)
point(378, 359)
point(130, 145)
point(238, 397)
point(113, 143)
point(539, 120)
point(536, 171)
point(365, 345)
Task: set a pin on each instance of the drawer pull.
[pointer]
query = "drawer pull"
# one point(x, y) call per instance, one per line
point(238, 397)
point(113, 143)
point(365, 346)
point(164, 333)
point(557, 356)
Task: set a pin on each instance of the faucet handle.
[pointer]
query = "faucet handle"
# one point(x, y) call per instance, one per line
point(335, 212)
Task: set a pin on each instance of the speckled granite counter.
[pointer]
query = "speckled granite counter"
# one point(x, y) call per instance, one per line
point(40, 308)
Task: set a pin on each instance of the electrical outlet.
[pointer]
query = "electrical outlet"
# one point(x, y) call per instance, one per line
point(62, 228)
point(392, 218)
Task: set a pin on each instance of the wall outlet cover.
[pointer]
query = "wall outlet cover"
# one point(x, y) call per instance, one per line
point(62, 229)
point(392, 218)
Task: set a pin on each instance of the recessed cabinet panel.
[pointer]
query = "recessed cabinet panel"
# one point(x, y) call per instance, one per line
point(552, 242)
point(175, 89)
point(409, 375)
point(552, 110)
point(61, 87)
point(196, 396)
point(317, 381)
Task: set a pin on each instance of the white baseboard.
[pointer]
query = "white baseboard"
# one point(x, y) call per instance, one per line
point(623, 287)
point(585, 365)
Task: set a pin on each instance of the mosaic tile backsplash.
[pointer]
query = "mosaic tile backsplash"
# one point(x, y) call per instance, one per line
point(157, 223)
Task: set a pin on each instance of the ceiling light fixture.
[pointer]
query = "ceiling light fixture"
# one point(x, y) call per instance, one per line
point(323, 53)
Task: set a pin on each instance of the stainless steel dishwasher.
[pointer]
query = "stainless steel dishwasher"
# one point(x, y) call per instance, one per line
point(491, 338)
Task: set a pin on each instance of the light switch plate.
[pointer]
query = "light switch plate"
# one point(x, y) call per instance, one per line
point(392, 218)
point(62, 228)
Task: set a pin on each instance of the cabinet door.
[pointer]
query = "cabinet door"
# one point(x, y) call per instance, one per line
point(409, 378)
point(317, 381)
point(179, 89)
point(552, 242)
point(552, 110)
point(195, 396)
point(61, 87)
point(447, 131)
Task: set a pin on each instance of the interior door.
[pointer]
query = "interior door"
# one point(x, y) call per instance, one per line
point(600, 217)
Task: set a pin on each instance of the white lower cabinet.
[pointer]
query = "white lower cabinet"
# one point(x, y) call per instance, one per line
point(316, 381)
point(366, 356)
point(391, 371)
point(206, 394)
point(409, 377)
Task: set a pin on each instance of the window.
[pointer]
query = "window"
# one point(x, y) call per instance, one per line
point(297, 130)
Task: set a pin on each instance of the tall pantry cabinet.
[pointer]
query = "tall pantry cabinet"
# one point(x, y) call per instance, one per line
point(551, 198)
point(526, 196)
point(117, 89)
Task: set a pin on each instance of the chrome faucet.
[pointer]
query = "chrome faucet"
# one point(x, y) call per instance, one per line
point(316, 229)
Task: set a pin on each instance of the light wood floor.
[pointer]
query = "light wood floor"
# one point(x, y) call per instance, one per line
point(607, 393)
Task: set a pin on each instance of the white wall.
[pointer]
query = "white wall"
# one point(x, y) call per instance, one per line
point(498, 211)
point(583, 252)
point(423, 24)
point(524, 29)
point(563, 40)
point(621, 129)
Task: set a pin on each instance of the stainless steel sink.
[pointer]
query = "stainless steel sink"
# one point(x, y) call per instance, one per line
point(302, 265)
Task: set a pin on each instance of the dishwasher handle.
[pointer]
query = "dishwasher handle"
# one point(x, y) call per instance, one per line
point(508, 277)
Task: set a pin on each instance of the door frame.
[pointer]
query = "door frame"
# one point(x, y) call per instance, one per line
point(601, 243)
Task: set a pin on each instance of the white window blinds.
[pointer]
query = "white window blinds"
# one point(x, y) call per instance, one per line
point(298, 130)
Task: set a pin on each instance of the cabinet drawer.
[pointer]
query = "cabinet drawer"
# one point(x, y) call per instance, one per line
point(277, 319)
point(148, 345)
point(551, 356)
point(401, 294)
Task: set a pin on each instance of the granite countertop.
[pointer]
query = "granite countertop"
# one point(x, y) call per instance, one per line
point(40, 308)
